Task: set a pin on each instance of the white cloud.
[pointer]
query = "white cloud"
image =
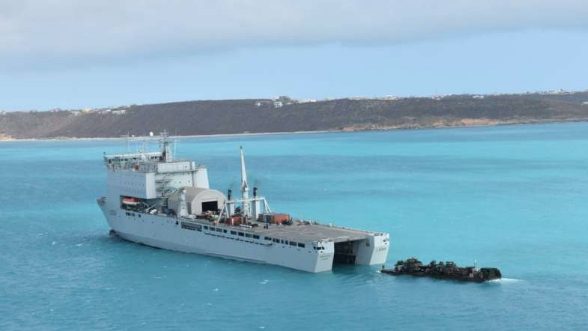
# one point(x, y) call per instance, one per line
point(74, 29)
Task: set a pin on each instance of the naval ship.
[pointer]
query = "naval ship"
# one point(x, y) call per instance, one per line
point(156, 200)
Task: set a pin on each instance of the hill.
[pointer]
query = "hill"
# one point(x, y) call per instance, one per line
point(287, 115)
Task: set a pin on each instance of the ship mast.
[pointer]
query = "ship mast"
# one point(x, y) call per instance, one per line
point(244, 186)
point(166, 150)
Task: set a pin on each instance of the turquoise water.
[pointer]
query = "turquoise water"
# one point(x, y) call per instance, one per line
point(512, 197)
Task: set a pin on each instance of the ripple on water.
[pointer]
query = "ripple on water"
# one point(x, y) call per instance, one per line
point(500, 195)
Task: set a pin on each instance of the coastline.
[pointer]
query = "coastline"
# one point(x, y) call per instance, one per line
point(462, 123)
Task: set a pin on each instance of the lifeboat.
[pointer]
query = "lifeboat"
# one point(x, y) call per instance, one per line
point(129, 201)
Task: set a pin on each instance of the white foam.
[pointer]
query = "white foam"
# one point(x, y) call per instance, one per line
point(506, 280)
point(265, 281)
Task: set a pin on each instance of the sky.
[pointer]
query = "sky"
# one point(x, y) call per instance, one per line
point(100, 53)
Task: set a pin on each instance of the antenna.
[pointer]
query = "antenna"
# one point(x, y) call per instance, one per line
point(244, 186)
point(175, 142)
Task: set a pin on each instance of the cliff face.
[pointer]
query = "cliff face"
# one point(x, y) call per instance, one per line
point(238, 116)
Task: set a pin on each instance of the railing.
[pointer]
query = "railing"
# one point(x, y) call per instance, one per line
point(225, 210)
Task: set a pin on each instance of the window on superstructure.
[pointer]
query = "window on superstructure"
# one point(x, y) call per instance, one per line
point(293, 243)
point(233, 232)
point(248, 235)
point(189, 226)
point(301, 245)
point(255, 236)
point(241, 234)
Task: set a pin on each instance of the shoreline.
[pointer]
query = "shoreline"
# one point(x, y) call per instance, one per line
point(370, 128)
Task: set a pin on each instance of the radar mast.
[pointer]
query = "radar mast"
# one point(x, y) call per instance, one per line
point(244, 186)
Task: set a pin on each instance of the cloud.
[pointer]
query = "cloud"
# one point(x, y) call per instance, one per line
point(110, 29)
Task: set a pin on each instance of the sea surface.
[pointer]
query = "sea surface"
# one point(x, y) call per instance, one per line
point(513, 197)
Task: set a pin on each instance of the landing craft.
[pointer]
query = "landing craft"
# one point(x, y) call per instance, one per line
point(443, 270)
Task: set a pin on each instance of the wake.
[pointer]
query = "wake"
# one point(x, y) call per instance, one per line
point(506, 280)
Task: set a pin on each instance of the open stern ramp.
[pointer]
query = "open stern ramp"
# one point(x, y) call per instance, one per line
point(344, 245)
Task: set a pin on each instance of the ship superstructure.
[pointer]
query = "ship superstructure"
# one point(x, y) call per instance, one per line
point(156, 200)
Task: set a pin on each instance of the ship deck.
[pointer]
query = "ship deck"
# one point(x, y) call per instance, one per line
point(299, 232)
point(311, 232)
